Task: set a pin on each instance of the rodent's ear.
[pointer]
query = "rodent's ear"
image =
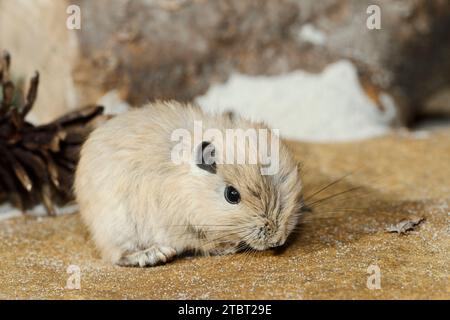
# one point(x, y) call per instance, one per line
point(205, 157)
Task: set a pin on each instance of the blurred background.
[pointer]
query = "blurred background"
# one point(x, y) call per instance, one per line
point(331, 70)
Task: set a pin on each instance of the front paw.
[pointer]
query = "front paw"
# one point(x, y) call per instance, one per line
point(149, 257)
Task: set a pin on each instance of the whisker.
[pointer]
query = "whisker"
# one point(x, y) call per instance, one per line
point(247, 255)
point(333, 196)
point(189, 236)
point(211, 241)
point(329, 185)
point(325, 204)
point(200, 225)
point(234, 230)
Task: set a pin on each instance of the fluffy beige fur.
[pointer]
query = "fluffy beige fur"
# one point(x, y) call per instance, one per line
point(142, 209)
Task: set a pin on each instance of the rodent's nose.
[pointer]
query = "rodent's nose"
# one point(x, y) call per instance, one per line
point(266, 231)
point(273, 245)
point(269, 226)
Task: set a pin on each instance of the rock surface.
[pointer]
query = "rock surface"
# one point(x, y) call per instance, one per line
point(401, 176)
point(177, 49)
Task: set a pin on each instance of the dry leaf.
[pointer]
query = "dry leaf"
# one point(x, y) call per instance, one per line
point(405, 225)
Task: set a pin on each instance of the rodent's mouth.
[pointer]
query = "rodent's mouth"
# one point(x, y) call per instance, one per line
point(260, 246)
point(257, 246)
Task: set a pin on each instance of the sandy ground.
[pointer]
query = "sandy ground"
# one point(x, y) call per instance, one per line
point(400, 177)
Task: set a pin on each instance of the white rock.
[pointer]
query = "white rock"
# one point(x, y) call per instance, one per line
point(311, 34)
point(327, 107)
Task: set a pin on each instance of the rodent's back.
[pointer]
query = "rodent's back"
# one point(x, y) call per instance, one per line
point(139, 138)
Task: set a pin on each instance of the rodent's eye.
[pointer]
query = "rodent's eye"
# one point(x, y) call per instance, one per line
point(232, 195)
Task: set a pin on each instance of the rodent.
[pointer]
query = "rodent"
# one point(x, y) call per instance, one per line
point(142, 209)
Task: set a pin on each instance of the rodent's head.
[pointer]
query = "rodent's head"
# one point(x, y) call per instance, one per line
point(242, 207)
